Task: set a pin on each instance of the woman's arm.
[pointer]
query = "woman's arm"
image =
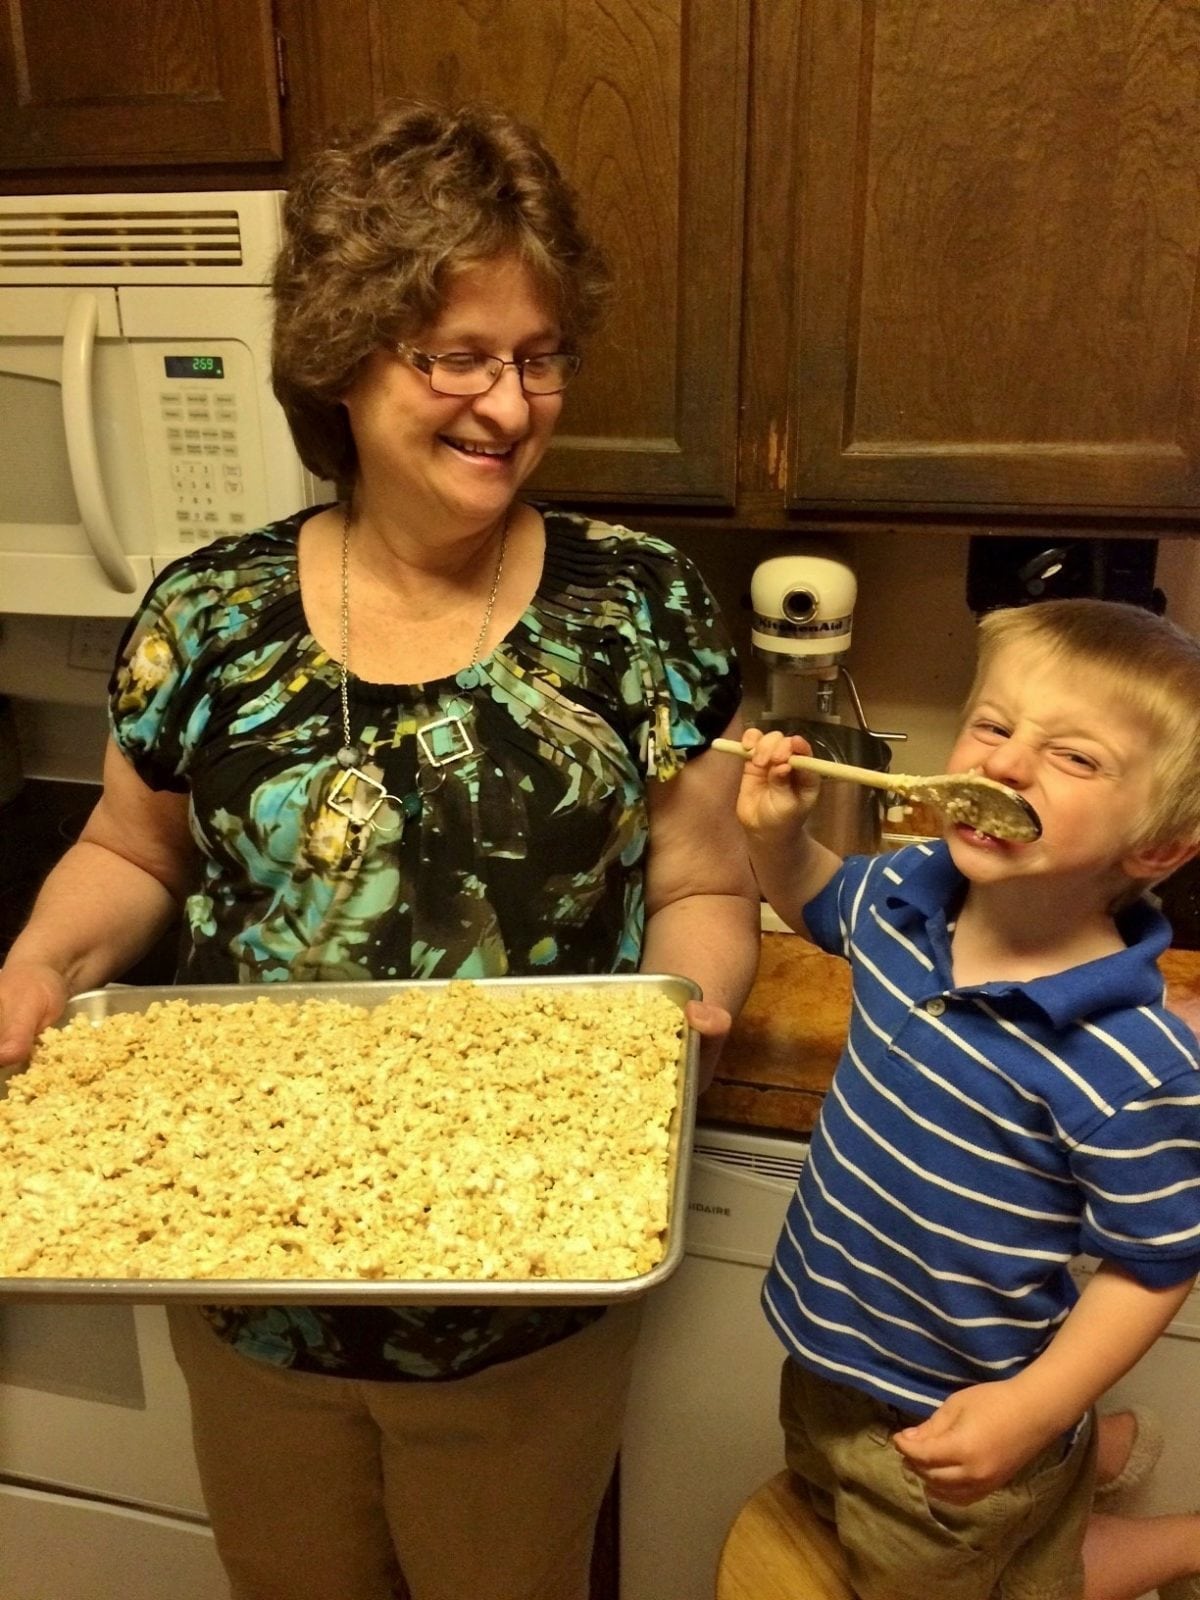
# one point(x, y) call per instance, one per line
point(981, 1436)
point(112, 894)
point(702, 904)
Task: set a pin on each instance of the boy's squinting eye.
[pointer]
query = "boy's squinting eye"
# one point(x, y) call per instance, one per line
point(1077, 760)
point(986, 730)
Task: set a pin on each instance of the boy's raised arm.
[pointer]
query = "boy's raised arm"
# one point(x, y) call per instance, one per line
point(774, 803)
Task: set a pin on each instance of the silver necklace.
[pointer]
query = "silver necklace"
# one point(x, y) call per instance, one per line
point(355, 794)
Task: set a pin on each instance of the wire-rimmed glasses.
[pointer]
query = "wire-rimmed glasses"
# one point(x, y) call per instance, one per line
point(464, 372)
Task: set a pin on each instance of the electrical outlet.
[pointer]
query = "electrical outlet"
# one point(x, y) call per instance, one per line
point(93, 645)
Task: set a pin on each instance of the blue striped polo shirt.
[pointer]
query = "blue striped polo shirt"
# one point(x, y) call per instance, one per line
point(974, 1140)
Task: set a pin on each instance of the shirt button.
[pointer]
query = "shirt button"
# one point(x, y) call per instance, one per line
point(936, 1006)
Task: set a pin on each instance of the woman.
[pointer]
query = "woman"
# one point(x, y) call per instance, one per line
point(430, 730)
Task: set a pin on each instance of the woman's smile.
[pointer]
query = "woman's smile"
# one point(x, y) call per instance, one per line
point(479, 449)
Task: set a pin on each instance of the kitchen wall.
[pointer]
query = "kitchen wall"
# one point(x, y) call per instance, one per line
point(911, 656)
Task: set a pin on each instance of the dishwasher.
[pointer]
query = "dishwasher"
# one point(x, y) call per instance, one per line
point(702, 1433)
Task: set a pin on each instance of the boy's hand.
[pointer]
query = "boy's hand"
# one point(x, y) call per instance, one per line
point(773, 797)
point(974, 1442)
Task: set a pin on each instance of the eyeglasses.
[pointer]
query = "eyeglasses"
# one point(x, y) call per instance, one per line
point(463, 372)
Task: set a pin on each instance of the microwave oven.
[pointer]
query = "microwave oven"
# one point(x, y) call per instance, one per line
point(137, 419)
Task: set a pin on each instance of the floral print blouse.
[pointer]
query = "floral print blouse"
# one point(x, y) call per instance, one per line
point(503, 829)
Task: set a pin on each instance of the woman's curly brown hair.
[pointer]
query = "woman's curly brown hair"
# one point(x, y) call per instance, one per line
point(376, 229)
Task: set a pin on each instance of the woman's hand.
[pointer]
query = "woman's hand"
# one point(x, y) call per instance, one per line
point(974, 1442)
point(773, 796)
point(32, 996)
point(712, 1023)
point(110, 896)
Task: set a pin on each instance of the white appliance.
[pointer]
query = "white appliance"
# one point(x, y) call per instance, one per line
point(99, 1497)
point(136, 414)
point(702, 1433)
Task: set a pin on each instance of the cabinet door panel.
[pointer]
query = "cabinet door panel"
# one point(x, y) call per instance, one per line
point(137, 82)
point(643, 103)
point(997, 256)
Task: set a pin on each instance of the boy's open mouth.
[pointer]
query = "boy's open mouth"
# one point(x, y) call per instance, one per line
point(976, 836)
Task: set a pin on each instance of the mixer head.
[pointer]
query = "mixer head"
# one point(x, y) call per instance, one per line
point(803, 604)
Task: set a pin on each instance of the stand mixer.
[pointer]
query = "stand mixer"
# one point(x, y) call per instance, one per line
point(803, 605)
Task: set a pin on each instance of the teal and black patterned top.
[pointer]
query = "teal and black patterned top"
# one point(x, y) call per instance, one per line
point(513, 840)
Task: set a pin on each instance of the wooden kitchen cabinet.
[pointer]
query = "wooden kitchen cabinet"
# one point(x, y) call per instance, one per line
point(996, 245)
point(879, 263)
point(137, 83)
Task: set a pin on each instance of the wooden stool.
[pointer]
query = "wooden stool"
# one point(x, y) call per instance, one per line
point(779, 1549)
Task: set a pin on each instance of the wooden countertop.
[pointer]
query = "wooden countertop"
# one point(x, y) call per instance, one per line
point(780, 1057)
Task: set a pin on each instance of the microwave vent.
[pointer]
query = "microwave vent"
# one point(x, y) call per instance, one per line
point(128, 242)
point(195, 238)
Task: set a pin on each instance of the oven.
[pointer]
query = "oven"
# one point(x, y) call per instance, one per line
point(99, 1497)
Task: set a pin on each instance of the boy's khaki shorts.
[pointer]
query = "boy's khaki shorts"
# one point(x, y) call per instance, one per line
point(1021, 1542)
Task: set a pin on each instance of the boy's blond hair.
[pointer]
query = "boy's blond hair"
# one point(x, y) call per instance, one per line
point(1147, 665)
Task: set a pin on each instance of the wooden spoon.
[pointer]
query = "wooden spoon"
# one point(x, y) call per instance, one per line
point(966, 797)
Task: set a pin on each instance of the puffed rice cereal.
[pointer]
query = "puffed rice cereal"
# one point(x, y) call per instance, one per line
point(448, 1133)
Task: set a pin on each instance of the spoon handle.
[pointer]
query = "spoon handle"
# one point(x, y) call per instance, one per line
point(826, 769)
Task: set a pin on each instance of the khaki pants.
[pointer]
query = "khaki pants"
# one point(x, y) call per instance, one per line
point(1021, 1542)
point(480, 1488)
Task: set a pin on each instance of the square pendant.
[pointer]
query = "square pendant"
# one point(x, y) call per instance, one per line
point(445, 741)
point(345, 799)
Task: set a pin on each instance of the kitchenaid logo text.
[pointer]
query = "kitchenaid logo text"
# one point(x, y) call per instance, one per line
point(781, 628)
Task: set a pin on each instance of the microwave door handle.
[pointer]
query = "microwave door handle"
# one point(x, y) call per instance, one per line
point(79, 338)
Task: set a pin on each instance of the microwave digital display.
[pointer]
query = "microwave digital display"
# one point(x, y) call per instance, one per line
point(194, 366)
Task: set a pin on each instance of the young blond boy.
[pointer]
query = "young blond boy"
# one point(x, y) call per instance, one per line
point(1012, 1093)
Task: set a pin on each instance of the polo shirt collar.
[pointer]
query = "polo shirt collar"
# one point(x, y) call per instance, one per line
point(1129, 977)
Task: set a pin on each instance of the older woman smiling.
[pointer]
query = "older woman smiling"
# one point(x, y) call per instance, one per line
point(431, 730)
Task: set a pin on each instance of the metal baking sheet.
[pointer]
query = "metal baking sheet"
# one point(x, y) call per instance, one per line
point(116, 998)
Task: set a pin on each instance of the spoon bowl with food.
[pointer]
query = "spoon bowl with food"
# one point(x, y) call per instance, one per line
point(962, 797)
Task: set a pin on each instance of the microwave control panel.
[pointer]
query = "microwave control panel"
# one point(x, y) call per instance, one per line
point(200, 408)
